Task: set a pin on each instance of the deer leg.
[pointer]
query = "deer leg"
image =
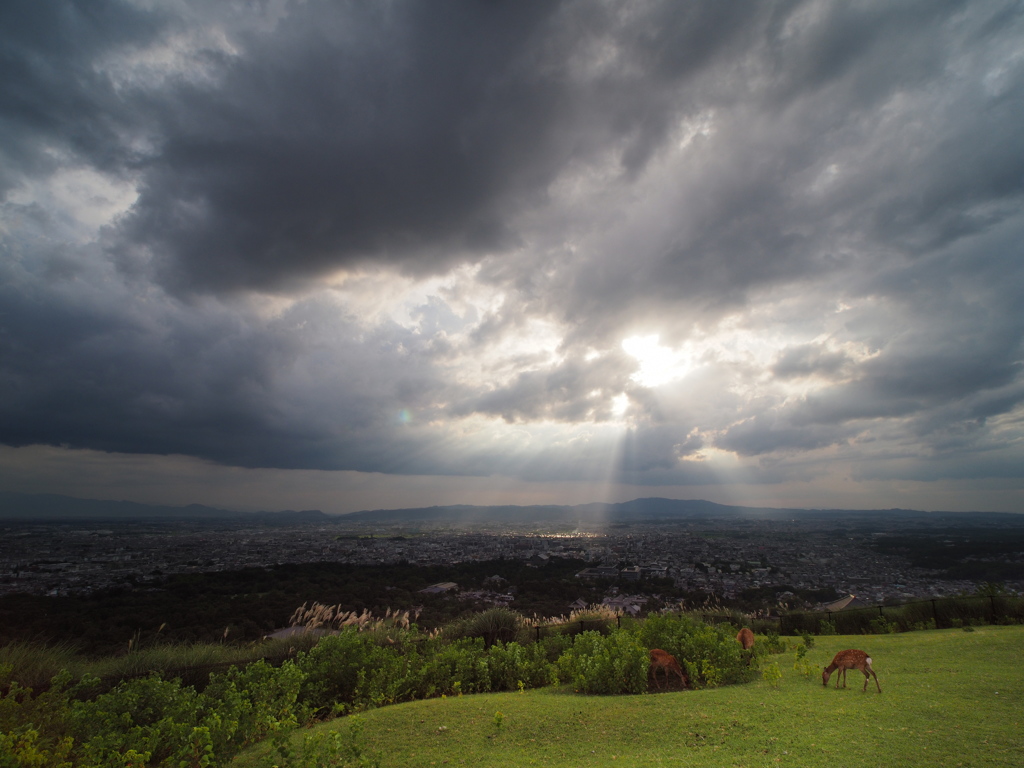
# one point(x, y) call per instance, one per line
point(876, 681)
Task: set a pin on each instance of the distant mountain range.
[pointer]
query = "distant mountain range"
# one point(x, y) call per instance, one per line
point(49, 507)
point(648, 510)
point(52, 507)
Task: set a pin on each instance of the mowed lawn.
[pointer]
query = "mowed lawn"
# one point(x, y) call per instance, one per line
point(949, 698)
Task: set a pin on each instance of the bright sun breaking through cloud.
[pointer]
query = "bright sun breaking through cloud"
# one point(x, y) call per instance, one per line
point(658, 364)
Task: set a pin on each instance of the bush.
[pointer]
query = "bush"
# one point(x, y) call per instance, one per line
point(332, 669)
point(512, 664)
point(147, 715)
point(456, 668)
point(614, 664)
point(151, 720)
point(247, 704)
point(772, 675)
point(772, 643)
point(709, 654)
point(23, 748)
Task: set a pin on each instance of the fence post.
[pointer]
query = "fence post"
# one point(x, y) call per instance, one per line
point(992, 603)
point(935, 613)
point(538, 632)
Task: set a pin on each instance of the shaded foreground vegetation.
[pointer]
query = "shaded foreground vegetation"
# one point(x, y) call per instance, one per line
point(152, 720)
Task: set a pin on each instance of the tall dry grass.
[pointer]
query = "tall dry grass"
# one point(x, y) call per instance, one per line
point(34, 666)
point(394, 627)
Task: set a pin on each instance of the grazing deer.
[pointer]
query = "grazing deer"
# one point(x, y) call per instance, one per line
point(850, 659)
point(666, 661)
point(745, 638)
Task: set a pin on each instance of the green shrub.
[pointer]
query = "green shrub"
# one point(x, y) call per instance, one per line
point(455, 668)
point(155, 720)
point(332, 670)
point(512, 664)
point(614, 664)
point(46, 713)
point(709, 654)
point(245, 705)
point(772, 643)
point(23, 748)
point(772, 675)
point(555, 644)
point(146, 715)
point(386, 679)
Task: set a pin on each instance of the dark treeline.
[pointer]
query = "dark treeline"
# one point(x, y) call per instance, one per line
point(252, 602)
point(977, 553)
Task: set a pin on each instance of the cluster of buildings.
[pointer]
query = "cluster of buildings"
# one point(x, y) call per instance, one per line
point(723, 557)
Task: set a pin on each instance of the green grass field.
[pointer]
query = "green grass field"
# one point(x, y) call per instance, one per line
point(949, 698)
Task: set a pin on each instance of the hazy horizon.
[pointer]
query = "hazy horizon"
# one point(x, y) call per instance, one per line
point(6, 513)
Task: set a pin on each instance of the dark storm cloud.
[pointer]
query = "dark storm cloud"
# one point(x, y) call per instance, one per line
point(837, 147)
point(149, 375)
point(354, 132)
point(53, 99)
point(407, 133)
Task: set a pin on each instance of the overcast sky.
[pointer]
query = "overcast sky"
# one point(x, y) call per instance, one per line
point(376, 254)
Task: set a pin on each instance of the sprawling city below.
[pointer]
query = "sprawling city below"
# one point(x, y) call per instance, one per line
point(720, 556)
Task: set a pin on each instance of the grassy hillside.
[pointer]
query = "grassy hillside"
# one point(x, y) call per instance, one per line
point(949, 698)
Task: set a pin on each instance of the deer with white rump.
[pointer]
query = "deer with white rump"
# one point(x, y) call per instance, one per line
point(851, 659)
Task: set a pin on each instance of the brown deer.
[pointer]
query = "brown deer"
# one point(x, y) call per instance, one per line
point(850, 659)
point(745, 638)
point(666, 661)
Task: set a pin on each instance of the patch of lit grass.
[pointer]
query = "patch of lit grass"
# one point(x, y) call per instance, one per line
point(950, 698)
